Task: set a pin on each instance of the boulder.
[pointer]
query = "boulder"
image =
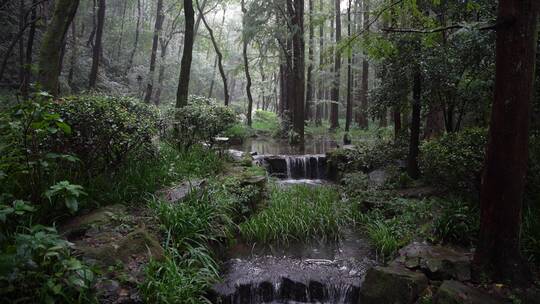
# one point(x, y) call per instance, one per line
point(454, 292)
point(392, 285)
point(437, 262)
point(377, 178)
point(78, 226)
point(181, 191)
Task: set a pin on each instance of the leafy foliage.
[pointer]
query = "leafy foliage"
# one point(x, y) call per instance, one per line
point(455, 160)
point(458, 223)
point(202, 120)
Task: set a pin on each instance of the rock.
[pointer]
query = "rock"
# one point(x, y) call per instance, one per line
point(454, 292)
point(139, 244)
point(79, 225)
point(181, 191)
point(392, 285)
point(236, 155)
point(419, 192)
point(437, 262)
point(276, 166)
point(377, 178)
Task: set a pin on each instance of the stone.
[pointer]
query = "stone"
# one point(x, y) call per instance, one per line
point(181, 191)
point(377, 178)
point(437, 262)
point(236, 155)
point(454, 292)
point(392, 285)
point(78, 226)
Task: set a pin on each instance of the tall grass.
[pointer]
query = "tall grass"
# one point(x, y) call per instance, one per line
point(297, 213)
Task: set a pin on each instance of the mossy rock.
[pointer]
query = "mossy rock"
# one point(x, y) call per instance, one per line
point(392, 285)
point(97, 218)
point(139, 243)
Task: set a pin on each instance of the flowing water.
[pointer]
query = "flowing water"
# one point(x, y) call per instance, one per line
point(303, 272)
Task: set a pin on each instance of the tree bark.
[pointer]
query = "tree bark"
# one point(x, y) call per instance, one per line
point(137, 34)
point(25, 86)
point(497, 253)
point(348, 118)
point(412, 161)
point(96, 54)
point(334, 109)
point(218, 53)
point(309, 89)
point(49, 57)
point(122, 29)
point(246, 63)
point(160, 17)
point(363, 119)
point(296, 13)
point(187, 55)
point(397, 122)
point(319, 111)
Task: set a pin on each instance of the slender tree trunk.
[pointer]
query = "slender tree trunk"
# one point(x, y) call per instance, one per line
point(161, 75)
point(25, 87)
point(218, 53)
point(137, 34)
point(22, 21)
point(311, 55)
point(365, 75)
point(412, 162)
point(187, 55)
point(334, 110)
point(74, 54)
point(153, 55)
point(122, 29)
point(319, 113)
point(349, 75)
point(498, 251)
point(246, 63)
point(397, 122)
point(51, 45)
point(97, 50)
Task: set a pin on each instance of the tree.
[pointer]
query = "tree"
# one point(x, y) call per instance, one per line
point(187, 55)
point(318, 113)
point(160, 17)
point(97, 49)
point(309, 90)
point(50, 52)
point(245, 42)
point(348, 117)
point(412, 159)
point(498, 252)
point(218, 53)
point(137, 34)
point(334, 110)
point(297, 79)
point(363, 119)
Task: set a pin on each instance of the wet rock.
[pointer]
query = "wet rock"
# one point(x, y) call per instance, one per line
point(419, 192)
point(392, 285)
point(181, 191)
point(236, 155)
point(276, 166)
point(454, 292)
point(437, 262)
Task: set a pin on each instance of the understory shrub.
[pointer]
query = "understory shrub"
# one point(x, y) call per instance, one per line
point(297, 213)
point(202, 120)
point(106, 129)
point(455, 160)
point(457, 223)
point(265, 121)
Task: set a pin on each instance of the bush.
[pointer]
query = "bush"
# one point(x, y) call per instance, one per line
point(458, 223)
point(106, 129)
point(455, 160)
point(265, 121)
point(202, 120)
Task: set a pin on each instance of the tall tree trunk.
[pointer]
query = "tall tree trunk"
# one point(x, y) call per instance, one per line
point(153, 55)
point(122, 29)
point(348, 118)
point(365, 75)
point(246, 63)
point(334, 110)
point(51, 45)
point(22, 21)
point(218, 53)
point(296, 13)
point(187, 55)
point(412, 161)
point(25, 86)
point(137, 34)
point(309, 90)
point(161, 74)
point(319, 112)
point(74, 54)
point(97, 50)
point(498, 253)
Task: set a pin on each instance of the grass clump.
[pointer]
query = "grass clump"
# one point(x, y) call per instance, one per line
point(297, 213)
point(266, 122)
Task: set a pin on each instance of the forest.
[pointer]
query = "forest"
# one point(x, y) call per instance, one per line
point(276, 151)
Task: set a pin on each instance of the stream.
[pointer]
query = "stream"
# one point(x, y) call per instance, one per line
point(303, 272)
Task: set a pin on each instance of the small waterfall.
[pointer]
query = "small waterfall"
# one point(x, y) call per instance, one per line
point(309, 166)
